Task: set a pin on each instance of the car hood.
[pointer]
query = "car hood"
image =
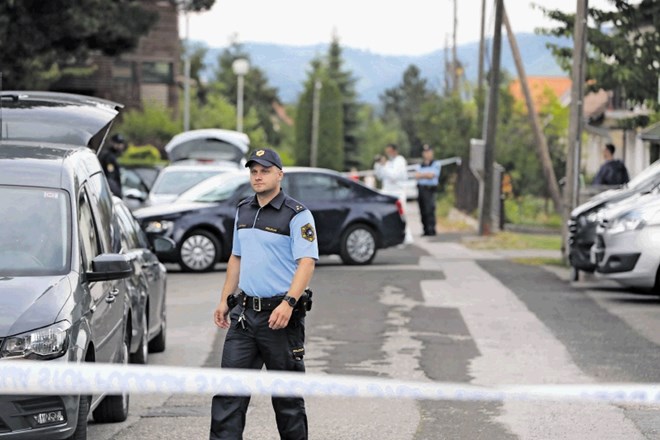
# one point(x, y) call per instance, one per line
point(27, 303)
point(645, 203)
point(609, 196)
point(170, 209)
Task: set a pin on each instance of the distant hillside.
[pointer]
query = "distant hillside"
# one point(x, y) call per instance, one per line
point(286, 66)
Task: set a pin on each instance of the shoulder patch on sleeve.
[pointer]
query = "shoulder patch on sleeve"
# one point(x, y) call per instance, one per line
point(308, 232)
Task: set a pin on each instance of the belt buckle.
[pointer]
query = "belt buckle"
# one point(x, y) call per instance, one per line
point(256, 304)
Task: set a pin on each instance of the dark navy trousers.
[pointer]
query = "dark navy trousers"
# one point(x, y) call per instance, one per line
point(426, 200)
point(253, 347)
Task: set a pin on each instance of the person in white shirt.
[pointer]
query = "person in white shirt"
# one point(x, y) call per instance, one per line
point(392, 171)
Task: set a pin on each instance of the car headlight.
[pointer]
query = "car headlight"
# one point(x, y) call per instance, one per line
point(593, 217)
point(44, 343)
point(628, 222)
point(159, 226)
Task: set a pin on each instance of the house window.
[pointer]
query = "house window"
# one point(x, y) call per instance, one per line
point(157, 72)
point(123, 71)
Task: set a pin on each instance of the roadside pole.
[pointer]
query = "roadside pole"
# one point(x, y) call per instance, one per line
point(571, 185)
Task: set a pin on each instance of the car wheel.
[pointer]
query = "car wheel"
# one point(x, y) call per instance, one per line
point(199, 251)
point(81, 427)
point(157, 344)
point(358, 245)
point(142, 354)
point(114, 408)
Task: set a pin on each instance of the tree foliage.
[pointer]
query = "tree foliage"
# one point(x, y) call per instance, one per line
point(258, 95)
point(330, 152)
point(622, 48)
point(40, 39)
point(405, 102)
point(346, 83)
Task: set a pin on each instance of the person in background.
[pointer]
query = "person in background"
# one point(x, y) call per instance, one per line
point(109, 163)
point(427, 175)
point(613, 171)
point(392, 171)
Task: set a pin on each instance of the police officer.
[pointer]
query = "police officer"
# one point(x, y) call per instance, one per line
point(272, 262)
point(427, 175)
point(108, 159)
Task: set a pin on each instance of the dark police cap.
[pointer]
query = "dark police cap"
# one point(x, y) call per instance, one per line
point(265, 157)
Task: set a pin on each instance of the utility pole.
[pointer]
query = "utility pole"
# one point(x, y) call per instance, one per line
point(447, 66)
point(481, 102)
point(541, 143)
point(315, 123)
point(571, 187)
point(485, 214)
point(454, 56)
point(186, 72)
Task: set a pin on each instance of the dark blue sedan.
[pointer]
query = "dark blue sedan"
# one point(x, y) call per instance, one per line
point(352, 220)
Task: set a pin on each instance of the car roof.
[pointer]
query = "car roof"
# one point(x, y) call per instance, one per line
point(53, 166)
point(173, 168)
point(51, 117)
point(234, 137)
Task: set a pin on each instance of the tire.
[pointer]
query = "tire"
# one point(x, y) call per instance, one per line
point(199, 251)
point(113, 409)
point(142, 354)
point(575, 274)
point(157, 344)
point(358, 245)
point(81, 427)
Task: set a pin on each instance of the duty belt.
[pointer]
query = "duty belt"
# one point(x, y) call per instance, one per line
point(259, 304)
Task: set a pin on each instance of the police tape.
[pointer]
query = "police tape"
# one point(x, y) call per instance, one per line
point(62, 378)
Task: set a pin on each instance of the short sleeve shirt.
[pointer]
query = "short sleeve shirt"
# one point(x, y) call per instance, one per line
point(270, 240)
point(433, 167)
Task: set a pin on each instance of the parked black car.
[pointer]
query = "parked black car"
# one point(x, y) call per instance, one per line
point(62, 288)
point(352, 220)
point(584, 218)
point(147, 285)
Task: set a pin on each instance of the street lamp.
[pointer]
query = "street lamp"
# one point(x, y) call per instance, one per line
point(240, 66)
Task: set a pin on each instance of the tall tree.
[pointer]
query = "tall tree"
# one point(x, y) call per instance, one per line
point(405, 101)
point(330, 129)
point(622, 48)
point(38, 39)
point(259, 96)
point(346, 83)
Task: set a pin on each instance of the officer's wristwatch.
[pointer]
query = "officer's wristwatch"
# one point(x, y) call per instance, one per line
point(290, 300)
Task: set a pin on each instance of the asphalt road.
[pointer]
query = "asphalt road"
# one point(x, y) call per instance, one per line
point(437, 311)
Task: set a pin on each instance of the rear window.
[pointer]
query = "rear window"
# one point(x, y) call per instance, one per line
point(35, 238)
point(176, 182)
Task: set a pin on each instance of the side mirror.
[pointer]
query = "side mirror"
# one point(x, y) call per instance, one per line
point(107, 267)
point(163, 244)
point(132, 193)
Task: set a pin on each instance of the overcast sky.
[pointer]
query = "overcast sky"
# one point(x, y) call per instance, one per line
point(408, 27)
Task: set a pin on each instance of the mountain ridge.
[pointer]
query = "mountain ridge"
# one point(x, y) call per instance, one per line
point(286, 66)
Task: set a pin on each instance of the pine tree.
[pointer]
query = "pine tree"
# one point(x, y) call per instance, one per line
point(330, 136)
point(346, 83)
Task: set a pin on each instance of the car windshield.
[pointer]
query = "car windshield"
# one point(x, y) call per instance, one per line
point(177, 181)
point(35, 238)
point(215, 189)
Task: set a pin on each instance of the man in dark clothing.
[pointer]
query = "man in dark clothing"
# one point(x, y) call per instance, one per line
point(108, 159)
point(613, 171)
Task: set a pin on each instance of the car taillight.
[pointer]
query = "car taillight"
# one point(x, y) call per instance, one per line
point(399, 206)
